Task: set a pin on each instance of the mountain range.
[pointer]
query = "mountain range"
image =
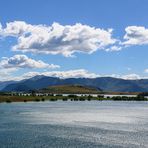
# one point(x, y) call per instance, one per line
point(108, 84)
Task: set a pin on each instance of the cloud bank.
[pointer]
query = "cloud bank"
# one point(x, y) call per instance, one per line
point(130, 76)
point(69, 39)
point(78, 73)
point(57, 38)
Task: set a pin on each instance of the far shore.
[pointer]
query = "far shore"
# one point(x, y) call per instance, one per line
point(70, 97)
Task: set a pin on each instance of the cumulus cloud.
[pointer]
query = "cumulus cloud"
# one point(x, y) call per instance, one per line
point(69, 39)
point(22, 61)
point(136, 35)
point(58, 39)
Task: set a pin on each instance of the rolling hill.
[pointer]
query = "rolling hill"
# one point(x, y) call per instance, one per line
point(70, 89)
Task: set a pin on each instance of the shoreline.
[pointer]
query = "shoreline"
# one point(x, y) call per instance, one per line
point(10, 99)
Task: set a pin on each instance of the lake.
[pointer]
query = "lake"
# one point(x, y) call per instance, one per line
point(62, 124)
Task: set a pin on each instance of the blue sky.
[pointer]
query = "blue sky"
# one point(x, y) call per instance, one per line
point(129, 61)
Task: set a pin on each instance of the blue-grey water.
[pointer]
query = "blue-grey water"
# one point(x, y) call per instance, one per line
point(68, 124)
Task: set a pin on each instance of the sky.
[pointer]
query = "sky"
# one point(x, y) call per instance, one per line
point(73, 38)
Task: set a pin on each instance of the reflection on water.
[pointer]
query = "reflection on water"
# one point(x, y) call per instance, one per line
point(74, 124)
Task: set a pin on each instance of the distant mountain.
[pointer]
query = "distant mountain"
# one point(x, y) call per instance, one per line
point(103, 83)
point(3, 84)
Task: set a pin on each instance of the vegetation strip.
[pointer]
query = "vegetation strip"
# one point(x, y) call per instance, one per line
point(9, 99)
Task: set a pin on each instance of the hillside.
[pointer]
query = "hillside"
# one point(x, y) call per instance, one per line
point(3, 84)
point(70, 89)
point(107, 84)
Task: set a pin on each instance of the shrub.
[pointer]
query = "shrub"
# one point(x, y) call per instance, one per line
point(43, 99)
point(8, 101)
point(53, 99)
point(72, 96)
point(75, 99)
point(59, 95)
point(81, 99)
point(37, 100)
point(65, 99)
point(100, 96)
point(90, 97)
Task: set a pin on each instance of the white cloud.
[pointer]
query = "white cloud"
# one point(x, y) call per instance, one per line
point(78, 73)
point(128, 68)
point(114, 48)
point(22, 61)
point(6, 72)
point(58, 39)
point(136, 35)
point(69, 39)
point(146, 70)
point(132, 76)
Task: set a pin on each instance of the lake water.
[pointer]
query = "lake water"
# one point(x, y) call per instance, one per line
point(68, 124)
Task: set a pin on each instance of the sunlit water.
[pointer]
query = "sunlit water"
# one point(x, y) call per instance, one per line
point(62, 124)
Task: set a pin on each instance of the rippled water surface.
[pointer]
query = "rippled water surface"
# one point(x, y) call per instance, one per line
point(86, 124)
